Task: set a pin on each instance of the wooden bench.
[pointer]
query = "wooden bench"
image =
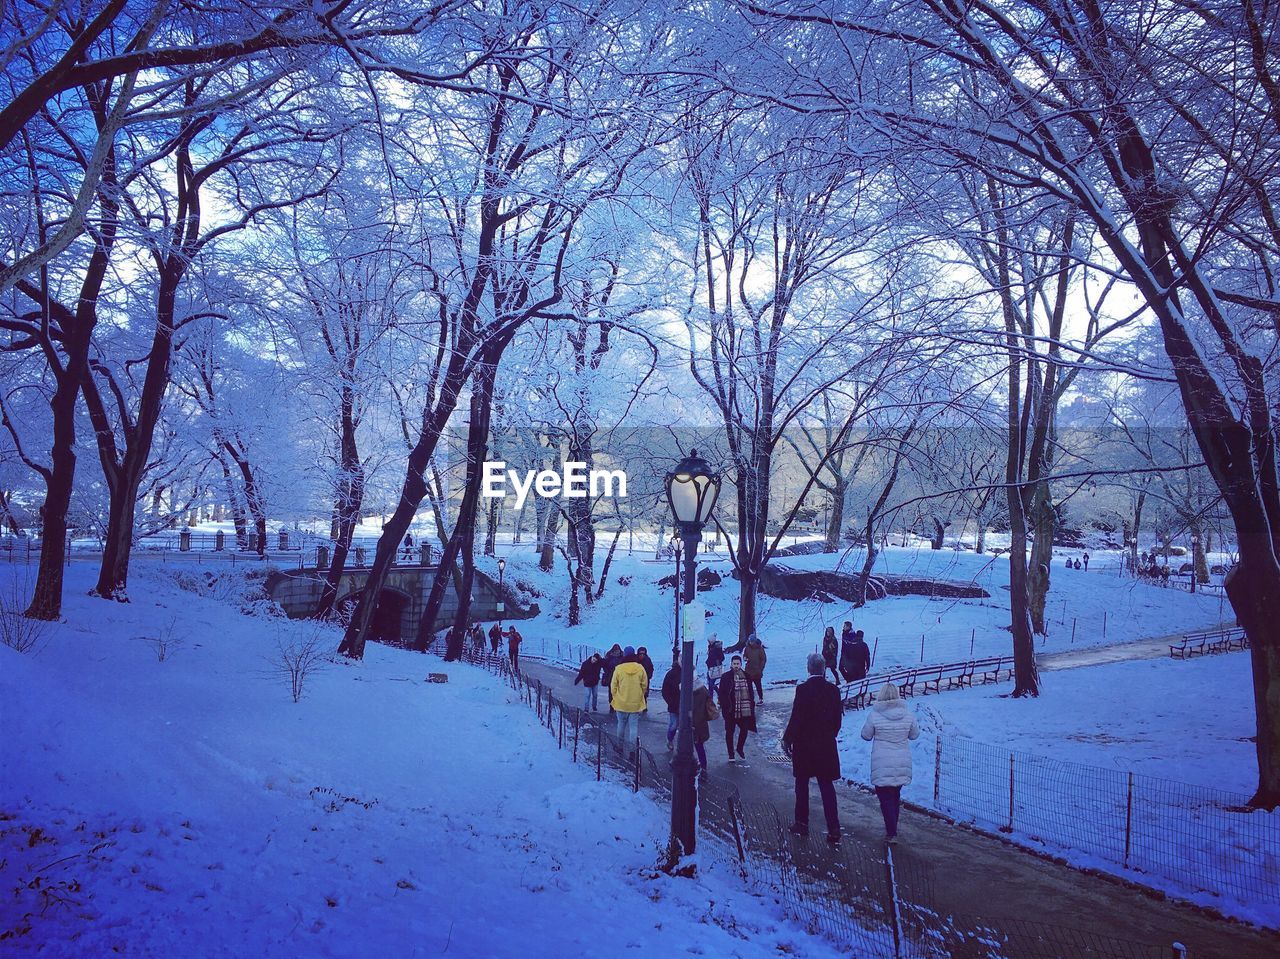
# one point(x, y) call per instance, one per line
point(932, 678)
point(1188, 646)
point(907, 684)
point(962, 678)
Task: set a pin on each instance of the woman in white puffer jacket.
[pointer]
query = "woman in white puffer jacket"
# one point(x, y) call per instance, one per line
point(890, 728)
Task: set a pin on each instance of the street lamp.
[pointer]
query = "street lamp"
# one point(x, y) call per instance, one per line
point(675, 629)
point(1195, 553)
point(502, 602)
point(691, 491)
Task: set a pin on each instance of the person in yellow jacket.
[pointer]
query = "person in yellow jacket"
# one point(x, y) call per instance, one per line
point(627, 690)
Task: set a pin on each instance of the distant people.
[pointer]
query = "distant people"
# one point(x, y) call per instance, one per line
point(1164, 575)
point(611, 660)
point(861, 655)
point(890, 728)
point(642, 657)
point(810, 741)
point(671, 696)
point(514, 639)
point(715, 662)
point(495, 637)
point(1078, 565)
point(846, 652)
point(738, 707)
point(477, 638)
point(831, 651)
point(589, 676)
point(755, 658)
point(408, 544)
point(627, 689)
point(1086, 562)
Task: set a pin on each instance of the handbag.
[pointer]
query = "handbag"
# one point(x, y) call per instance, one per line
point(713, 711)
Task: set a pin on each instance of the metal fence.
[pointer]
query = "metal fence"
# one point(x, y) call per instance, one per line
point(1193, 838)
point(877, 901)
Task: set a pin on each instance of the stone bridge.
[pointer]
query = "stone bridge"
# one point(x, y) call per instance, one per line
point(400, 604)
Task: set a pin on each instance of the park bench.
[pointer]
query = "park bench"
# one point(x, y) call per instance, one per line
point(907, 683)
point(931, 678)
point(962, 678)
point(1190, 645)
point(991, 667)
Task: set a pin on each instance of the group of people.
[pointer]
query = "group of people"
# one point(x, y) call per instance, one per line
point(732, 696)
point(1150, 567)
point(496, 635)
point(1076, 564)
point(850, 653)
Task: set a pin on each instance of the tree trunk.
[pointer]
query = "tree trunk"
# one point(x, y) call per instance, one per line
point(835, 524)
point(347, 503)
point(608, 561)
point(939, 533)
point(46, 599)
point(981, 546)
point(547, 548)
point(491, 528)
point(1041, 562)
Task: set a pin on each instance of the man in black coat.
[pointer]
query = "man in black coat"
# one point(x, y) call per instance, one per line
point(861, 656)
point(810, 741)
point(671, 696)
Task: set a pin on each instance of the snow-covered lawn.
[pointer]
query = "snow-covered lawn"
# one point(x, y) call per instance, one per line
point(189, 807)
point(642, 614)
point(1183, 727)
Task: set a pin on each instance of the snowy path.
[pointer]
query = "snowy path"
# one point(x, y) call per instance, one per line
point(1156, 647)
point(974, 874)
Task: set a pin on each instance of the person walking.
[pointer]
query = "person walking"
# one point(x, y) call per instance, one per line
point(890, 729)
point(627, 689)
point(1085, 557)
point(611, 660)
point(810, 741)
point(861, 656)
point(514, 639)
point(738, 706)
point(589, 676)
point(671, 696)
point(642, 657)
point(847, 652)
point(495, 637)
point(831, 651)
point(715, 662)
point(477, 638)
point(704, 710)
point(755, 657)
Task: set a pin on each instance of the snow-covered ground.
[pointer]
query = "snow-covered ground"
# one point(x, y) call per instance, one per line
point(1177, 725)
point(189, 806)
point(1102, 606)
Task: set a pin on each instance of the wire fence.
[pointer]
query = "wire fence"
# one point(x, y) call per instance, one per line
point(1190, 839)
point(880, 902)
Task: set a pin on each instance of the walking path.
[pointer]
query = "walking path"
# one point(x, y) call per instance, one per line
point(1156, 647)
point(974, 874)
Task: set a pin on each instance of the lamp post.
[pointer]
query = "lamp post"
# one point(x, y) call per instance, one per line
point(675, 628)
point(502, 601)
point(691, 491)
point(1195, 554)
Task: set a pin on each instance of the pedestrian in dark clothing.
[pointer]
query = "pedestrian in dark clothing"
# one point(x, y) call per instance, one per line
point(612, 659)
point(495, 637)
point(738, 706)
point(756, 658)
point(715, 662)
point(810, 741)
point(671, 696)
point(589, 676)
point(704, 710)
point(831, 651)
point(861, 656)
point(642, 657)
point(855, 657)
point(514, 639)
point(477, 638)
point(1086, 562)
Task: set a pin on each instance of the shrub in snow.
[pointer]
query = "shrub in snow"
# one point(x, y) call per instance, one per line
point(301, 652)
point(16, 630)
point(166, 640)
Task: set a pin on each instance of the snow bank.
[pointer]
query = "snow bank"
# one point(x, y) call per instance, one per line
point(153, 808)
